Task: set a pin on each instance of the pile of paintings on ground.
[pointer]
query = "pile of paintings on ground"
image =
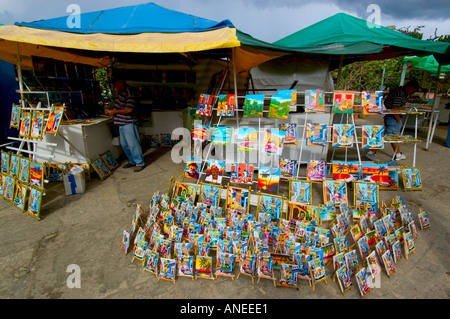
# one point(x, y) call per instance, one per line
point(189, 233)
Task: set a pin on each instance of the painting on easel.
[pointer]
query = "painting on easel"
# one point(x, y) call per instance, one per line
point(20, 196)
point(151, 262)
point(186, 266)
point(361, 280)
point(224, 265)
point(15, 116)
point(270, 204)
point(54, 119)
point(203, 267)
point(34, 202)
point(289, 273)
point(25, 124)
point(300, 192)
point(411, 179)
point(36, 175)
point(167, 269)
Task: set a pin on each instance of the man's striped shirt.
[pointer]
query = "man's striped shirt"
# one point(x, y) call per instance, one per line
point(396, 98)
point(125, 99)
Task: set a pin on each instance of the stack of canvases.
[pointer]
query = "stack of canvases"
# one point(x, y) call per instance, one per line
point(177, 238)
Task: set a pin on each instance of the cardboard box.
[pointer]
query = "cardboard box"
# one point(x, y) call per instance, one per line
point(74, 183)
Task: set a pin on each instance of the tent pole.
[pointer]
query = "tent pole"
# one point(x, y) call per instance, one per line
point(338, 79)
point(403, 75)
point(235, 84)
point(433, 110)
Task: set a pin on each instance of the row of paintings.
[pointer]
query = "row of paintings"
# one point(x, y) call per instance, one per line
point(104, 165)
point(31, 123)
point(22, 169)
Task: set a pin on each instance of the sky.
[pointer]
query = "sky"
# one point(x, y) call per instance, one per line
point(267, 20)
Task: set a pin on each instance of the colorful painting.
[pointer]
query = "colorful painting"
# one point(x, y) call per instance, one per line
point(373, 265)
point(14, 165)
point(204, 105)
point(268, 179)
point(185, 266)
point(247, 265)
point(372, 137)
point(344, 279)
point(334, 191)
point(288, 169)
point(125, 241)
point(314, 100)
point(214, 171)
point(292, 94)
point(101, 168)
point(203, 267)
point(109, 161)
point(270, 205)
point(139, 249)
point(424, 221)
point(289, 273)
point(185, 192)
point(192, 167)
point(210, 194)
point(238, 199)
point(5, 162)
point(396, 251)
point(366, 194)
point(392, 183)
point(316, 134)
point(264, 267)
point(345, 171)
point(361, 280)
point(408, 242)
point(317, 270)
point(151, 261)
point(37, 124)
point(242, 173)
point(15, 116)
point(411, 179)
point(273, 141)
point(363, 247)
point(54, 119)
point(372, 102)
point(34, 202)
point(20, 196)
point(343, 135)
point(343, 102)
point(290, 135)
point(167, 269)
point(279, 106)
point(377, 173)
point(341, 244)
point(316, 171)
point(25, 124)
point(388, 262)
point(224, 264)
point(200, 132)
point(36, 175)
point(221, 135)
point(352, 262)
point(226, 105)
point(300, 192)
point(247, 139)
point(253, 105)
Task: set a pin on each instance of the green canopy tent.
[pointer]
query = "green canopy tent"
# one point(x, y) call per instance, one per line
point(426, 63)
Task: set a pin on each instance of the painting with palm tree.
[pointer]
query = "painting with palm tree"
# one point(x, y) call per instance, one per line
point(377, 173)
point(345, 171)
point(203, 267)
point(268, 179)
point(221, 135)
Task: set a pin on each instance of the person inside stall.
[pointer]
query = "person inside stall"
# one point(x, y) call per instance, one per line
point(125, 117)
point(396, 99)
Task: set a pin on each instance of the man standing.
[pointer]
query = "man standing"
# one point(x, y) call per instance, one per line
point(125, 117)
point(393, 122)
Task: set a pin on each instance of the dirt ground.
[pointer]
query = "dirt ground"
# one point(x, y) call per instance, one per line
point(86, 230)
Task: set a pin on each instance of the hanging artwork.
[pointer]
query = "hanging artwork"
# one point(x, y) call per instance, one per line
point(268, 179)
point(167, 269)
point(314, 100)
point(226, 105)
point(14, 165)
point(192, 167)
point(289, 273)
point(253, 105)
point(316, 170)
point(5, 162)
point(151, 261)
point(290, 135)
point(101, 168)
point(270, 205)
point(300, 192)
point(186, 266)
point(264, 268)
point(34, 202)
point(361, 280)
point(221, 135)
point(36, 175)
point(343, 102)
point(279, 106)
point(288, 169)
point(345, 171)
point(334, 191)
point(20, 196)
point(424, 221)
point(200, 132)
point(204, 105)
point(25, 124)
point(372, 102)
point(292, 94)
point(372, 137)
point(344, 279)
point(203, 267)
point(54, 119)
point(343, 135)
point(247, 139)
point(316, 134)
point(411, 179)
point(15, 116)
point(242, 173)
point(37, 124)
point(210, 194)
point(214, 171)
point(273, 141)
point(238, 199)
